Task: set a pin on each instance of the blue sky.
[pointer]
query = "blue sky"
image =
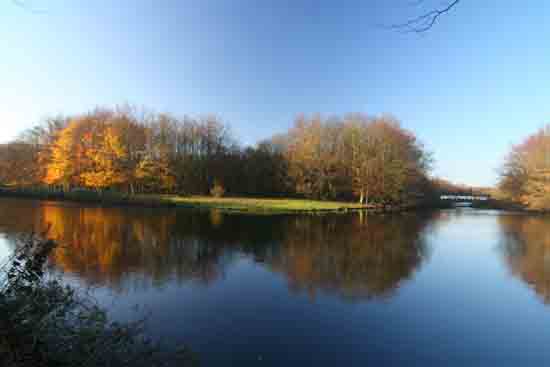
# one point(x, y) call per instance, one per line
point(477, 82)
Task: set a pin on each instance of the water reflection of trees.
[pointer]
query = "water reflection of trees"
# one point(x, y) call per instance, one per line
point(354, 256)
point(525, 246)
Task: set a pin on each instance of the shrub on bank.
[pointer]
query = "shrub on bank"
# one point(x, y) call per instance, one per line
point(46, 323)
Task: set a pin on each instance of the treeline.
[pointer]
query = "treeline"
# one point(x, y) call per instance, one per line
point(525, 174)
point(354, 157)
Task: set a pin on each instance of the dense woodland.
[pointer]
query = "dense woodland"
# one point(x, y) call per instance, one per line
point(356, 157)
point(525, 175)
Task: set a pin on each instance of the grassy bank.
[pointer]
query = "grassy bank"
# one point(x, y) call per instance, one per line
point(245, 204)
point(229, 204)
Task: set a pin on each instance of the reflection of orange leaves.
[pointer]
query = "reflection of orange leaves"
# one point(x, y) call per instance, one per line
point(104, 244)
point(302, 266)
point(527, 251)
point(216, 218)
point(351, 257)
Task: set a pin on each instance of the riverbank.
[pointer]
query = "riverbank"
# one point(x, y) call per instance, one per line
point(249, 205)
point(226, 204)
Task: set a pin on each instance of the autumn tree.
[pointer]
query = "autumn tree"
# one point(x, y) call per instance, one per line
point(401, 161)
point(23, 162)
point(146, 175)
point(108, 162)
point(368, 157)
point(313, 155)
point(525, 175)
point(127, 123)
point(514, 174)
point(61, 166)
point(362, 158)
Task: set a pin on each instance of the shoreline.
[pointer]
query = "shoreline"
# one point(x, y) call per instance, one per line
point(248, 205)
point(238, 204)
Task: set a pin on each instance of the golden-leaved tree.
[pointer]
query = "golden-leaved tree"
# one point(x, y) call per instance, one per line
point(61, 167)
point(146, 174)
point(108, 162)
point(152, 175)
point(525, 174)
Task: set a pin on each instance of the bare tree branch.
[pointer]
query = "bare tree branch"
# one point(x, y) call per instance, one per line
point(426, 21)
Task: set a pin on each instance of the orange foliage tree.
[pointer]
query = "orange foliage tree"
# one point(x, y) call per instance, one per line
point(108, 162)
point(61, 167)
point(525, 175)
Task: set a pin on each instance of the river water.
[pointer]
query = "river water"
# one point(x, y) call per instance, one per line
point(452, 287)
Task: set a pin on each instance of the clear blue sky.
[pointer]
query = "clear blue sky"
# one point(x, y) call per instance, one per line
point(477, 82)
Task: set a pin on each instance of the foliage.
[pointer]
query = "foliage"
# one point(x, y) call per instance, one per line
point(355, 157)
point(525, 174)
point(108, 162)
point(368, 157)
point(61, 168)
point(45, 323)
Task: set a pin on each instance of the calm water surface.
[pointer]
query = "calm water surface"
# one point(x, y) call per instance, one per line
point(455, 287)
